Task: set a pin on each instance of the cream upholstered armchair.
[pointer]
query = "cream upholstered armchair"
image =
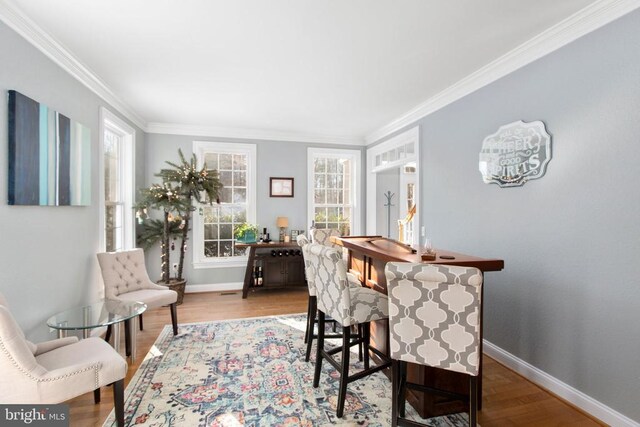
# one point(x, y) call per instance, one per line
point(125, 278)
point(58, 370)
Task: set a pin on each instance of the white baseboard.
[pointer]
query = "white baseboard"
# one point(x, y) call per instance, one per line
point(214, 287)
point(564, 391)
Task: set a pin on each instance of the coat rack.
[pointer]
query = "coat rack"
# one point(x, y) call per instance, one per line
point(389, 195)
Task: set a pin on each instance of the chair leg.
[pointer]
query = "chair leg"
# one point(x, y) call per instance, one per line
point(127, 337)
point(473, 401)
point(306, 332)
point(174, 318)
point(311, 321)
point(395, 383)
point(402, 388)
point(118, 402)
point(360, 336)
point(319, 348)
point(366, 336)
point(344, 372)
point(107, 336)
point(96, 395)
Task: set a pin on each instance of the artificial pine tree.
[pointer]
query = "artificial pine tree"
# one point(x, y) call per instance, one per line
point(182, 184)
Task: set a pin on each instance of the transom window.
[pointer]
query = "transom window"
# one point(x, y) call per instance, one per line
point(334, 189)
point(213, 227)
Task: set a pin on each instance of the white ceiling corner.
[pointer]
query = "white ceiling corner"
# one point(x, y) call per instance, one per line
point(575, 26)
point(28, 29)
point(314, 87)
point(218, 132)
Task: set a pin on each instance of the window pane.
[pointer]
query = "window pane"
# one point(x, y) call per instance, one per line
point(321, 216)
point(226, 214)
point(332, 192)
point(239, 252)
point(319, 165)
point(226, 178)
point(210, 231)
point(211, 159)
point(332, 165)
point(226, 162)
point(211, 214)
point(240, 216)
point(226, 231)
point(225, 195)
point(111, 167)
point(220, 220)
point(332, 197)
point(226, 248)
point(239, 162)
point(240, 195)
point(332, 180)
point(211, 248)
point(240, 179)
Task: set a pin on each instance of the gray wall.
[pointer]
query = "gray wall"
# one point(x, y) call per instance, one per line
point(568, 299)
point(274, 158)
point(47, 255)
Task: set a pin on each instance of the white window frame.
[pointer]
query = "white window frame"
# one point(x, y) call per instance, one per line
point(411, 136)
point(356, 182)
point(200, 148)
point(111, 122)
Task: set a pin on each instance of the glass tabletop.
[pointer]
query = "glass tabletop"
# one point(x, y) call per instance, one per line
point(101, 313)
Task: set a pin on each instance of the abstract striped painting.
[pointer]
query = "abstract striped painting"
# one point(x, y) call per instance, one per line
point(49, 156)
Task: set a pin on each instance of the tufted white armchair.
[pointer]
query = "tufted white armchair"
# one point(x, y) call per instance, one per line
point(125, 278)
point(58, 370)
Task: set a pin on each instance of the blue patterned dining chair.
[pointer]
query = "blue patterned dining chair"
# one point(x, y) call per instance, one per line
point(434, 320)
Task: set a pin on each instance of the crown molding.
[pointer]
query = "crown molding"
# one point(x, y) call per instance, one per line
point(575, 26)
point(223, 132)
point(24, 26)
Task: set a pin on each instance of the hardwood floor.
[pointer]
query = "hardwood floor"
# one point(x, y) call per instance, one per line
point(508, 399)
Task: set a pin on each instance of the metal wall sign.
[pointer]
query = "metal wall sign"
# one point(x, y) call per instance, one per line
point(516, 153)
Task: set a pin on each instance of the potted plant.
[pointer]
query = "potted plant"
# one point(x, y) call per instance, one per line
point(183, 184)
point(246, 233)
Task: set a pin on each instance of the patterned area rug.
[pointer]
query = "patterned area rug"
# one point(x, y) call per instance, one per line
point(250, 372)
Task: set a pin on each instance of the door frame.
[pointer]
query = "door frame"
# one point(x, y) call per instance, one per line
point(375, 165)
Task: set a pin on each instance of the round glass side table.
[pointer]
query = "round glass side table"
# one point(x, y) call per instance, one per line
point(100, 314)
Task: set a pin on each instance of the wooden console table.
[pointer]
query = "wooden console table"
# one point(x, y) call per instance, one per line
point(368, 256)
point(282, 266)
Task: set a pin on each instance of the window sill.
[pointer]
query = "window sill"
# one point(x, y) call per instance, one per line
point(230, 263)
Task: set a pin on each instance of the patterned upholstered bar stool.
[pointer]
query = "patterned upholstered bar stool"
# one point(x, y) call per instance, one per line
point(350, 306)
point(434, 320)
point(312, 306)
point(323, 236)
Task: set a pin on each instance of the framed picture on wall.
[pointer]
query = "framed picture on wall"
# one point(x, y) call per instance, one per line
point(280, 187)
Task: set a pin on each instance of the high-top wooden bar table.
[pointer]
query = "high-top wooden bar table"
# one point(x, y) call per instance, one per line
point(368, 256)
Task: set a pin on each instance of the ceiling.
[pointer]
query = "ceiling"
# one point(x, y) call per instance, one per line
point(333, 69)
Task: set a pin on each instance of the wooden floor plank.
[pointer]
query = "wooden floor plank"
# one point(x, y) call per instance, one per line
point(508, 398)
